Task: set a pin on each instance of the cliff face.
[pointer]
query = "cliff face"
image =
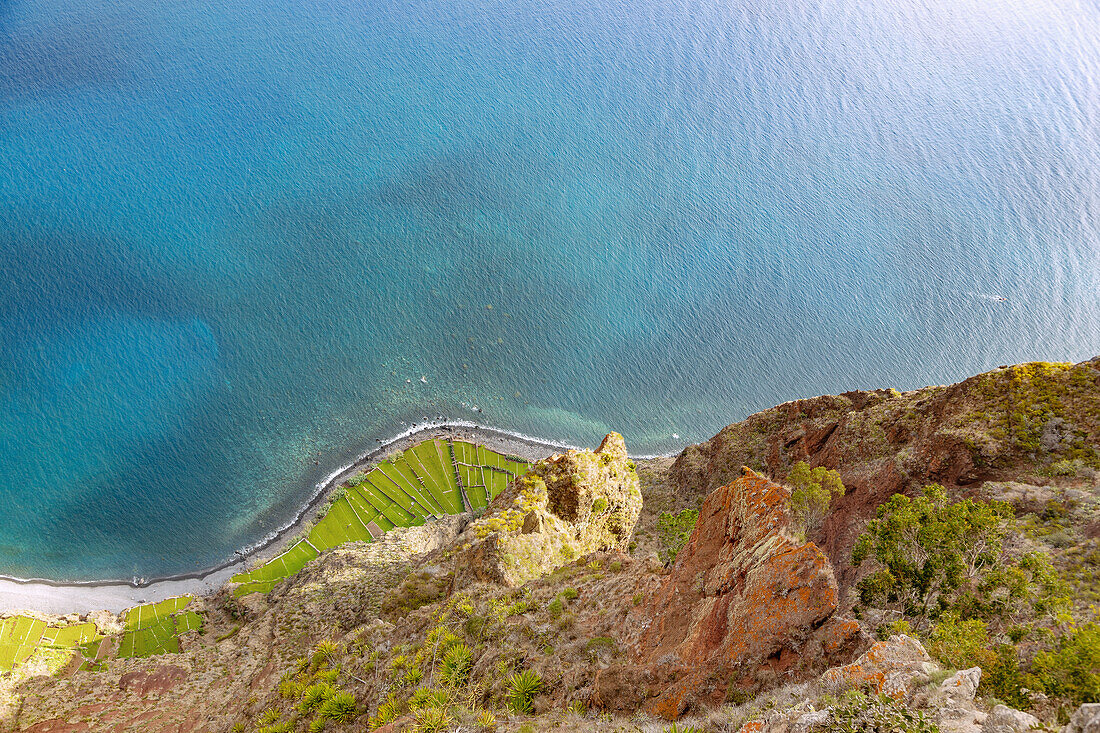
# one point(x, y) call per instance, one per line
point(560, 578)
point(746, 604)
point(569, 505)
point(991, 427)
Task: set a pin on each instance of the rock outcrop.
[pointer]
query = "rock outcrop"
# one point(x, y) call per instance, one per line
point(567, 506)
point(1004, 719)
point(892, 667)
point(885, 442)
point(1085, 720)
point(747, 602)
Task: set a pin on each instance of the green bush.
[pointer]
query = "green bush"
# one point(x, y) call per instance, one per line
point(812, 489)
point(456, 664)
point(673, 531)
point(961, 644)
point(858, 713)
point(929, 552)
point(431, 720)
point(315, 696)
point(340, 708)
point(1072, 669)
point(522, 687)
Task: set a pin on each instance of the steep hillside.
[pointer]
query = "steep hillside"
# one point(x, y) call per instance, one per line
point(601, 593)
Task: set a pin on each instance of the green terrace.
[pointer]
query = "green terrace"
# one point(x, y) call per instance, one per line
point(155, 628)
point(22, 636)
point(152, 628)
point(426, 481)
point(429, 480)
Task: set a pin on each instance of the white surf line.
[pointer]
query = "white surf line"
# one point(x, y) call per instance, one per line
point(115, 589)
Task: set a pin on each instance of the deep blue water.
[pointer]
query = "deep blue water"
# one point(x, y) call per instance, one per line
point(231, 231)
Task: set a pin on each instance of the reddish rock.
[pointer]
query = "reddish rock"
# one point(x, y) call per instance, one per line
point(892, 667)
point(160, 680)
point(57, 725)
point(746, 602)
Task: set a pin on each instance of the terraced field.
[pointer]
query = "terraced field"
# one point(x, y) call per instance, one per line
point(22, 636)
point(155, 628)
point(430, 479)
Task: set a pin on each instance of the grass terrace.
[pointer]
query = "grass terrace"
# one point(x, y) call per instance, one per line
point(22, 636)
point(155, 628)
point(429, 480)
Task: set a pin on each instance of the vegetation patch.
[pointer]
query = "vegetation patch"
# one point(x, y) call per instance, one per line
point(22, 636)
point(155, 628)
point(430, 479)
point(673, 531)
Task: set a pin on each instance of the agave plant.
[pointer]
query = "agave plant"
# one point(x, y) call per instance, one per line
point(431, 720)
point(521, 688)
point(340, 708)
point(314, 697)
point(324, 653)
point(456, 664)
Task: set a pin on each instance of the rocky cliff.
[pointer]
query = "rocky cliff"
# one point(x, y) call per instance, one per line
point(746, 605)
point(569, 505)
point(553, 610)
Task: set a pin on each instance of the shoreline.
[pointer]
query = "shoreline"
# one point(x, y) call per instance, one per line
point(43, 595)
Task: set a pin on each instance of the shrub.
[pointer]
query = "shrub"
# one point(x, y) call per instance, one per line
point(324, 653)
point(315, 696)
point(522, 687)
point(961, 644)
point(474, 625)
point(555, 608)
point(1003, 679)
point(340, 708)
point(387, 712)
point(812, 489)
point(931, 554)
point(1072, 669)
point(431, 720)
point(858, 713)
point(456, 664)
point(599, 506)
point(570, 594)
point(673, 531)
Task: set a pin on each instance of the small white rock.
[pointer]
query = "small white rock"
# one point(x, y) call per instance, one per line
point(962, 685)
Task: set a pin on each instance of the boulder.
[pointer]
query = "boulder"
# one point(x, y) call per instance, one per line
point(893, 667)
point(1004, 719)
point(747, 603)
point(1085, 720)
point(817, 719)
point(963, 685)
point(567, 506)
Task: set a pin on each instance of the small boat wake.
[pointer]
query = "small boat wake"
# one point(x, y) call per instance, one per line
point(991, 298)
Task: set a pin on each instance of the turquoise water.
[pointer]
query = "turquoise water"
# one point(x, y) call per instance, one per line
point(235, 236)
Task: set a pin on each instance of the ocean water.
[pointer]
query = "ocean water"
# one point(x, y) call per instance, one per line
point(234, 236)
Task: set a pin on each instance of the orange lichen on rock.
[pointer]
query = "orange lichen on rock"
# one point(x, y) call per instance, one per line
point(889, 667)
point(745, 600)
